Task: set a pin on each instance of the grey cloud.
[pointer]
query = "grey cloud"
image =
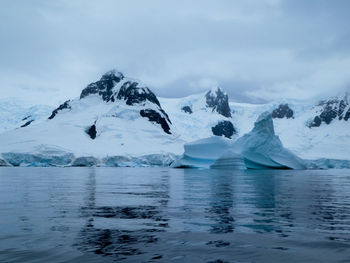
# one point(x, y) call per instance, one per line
point(256, 50)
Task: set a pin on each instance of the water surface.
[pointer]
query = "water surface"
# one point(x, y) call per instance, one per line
point(173, 215)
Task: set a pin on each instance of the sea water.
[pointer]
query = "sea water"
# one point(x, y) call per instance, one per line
point(173, 215)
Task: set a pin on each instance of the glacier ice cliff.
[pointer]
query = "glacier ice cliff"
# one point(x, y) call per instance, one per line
point(258, 149)
point(42, 156)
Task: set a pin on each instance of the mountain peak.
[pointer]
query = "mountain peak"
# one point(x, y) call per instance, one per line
point(103, 87)
point(112, 74)
point(217, 99)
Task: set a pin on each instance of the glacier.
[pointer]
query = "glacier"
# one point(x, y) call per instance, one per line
point(258, 149)
point(41, 156)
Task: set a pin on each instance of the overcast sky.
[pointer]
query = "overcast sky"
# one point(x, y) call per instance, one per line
point(257, 50)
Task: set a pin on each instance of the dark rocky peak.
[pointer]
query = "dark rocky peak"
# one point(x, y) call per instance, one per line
point(283, 111)
point(132, 94)
point(130, 90)
point(330, 110)
point(187, 109)
point(218, 101)
point(63, 106)
point(104, 87)
point(224, 128)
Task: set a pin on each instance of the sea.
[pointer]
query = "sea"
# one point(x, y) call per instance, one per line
point(100, 214)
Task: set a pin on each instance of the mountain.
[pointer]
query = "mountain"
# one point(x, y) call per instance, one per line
point(118, 121)
point(330, 110)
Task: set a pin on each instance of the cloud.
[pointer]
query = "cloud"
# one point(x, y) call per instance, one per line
point(257, 50)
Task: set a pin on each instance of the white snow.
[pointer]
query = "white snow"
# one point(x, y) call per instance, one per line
point(14, 113)
point(193, 126)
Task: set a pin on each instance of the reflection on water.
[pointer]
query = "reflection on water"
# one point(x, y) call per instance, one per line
point(110, 239)
point(159, 214)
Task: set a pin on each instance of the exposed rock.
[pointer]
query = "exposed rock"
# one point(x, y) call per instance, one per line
point(85, 161)
point(224, 128)
point(187, 109)
point(104, 87)
point(26, 118)
point(283, 111)
point(347, 115)
point(132, 94)
point(218, 101)
point(91, 131)
point(331, 110)
point(154, 116)
point(63, 106)
point(27, 123)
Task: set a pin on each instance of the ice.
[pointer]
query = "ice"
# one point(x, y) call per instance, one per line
point(203, 153)
point(259, 149)
point(3, 163)
point(117, 161)
point(86, 161)
point(230, 160)
point(156, 159)
point(162, 160)
point(328, 164)
point(43, 156)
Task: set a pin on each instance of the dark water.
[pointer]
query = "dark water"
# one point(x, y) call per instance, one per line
point(169, 215)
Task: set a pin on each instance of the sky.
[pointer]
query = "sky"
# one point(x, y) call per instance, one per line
point(256, 50)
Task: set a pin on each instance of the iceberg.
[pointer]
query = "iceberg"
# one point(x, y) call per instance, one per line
point(202, 153)
point(262, 149)
point(258, 149)
point(229, 160)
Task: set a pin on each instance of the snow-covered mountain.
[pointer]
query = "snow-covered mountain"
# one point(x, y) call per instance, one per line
point(118, 118)
point(119, 121)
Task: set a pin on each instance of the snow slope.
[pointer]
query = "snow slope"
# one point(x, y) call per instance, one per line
point(196, 125)
point(15, 113)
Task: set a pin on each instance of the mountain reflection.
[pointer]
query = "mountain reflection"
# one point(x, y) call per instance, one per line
point(105, 232)
point(221, 201)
